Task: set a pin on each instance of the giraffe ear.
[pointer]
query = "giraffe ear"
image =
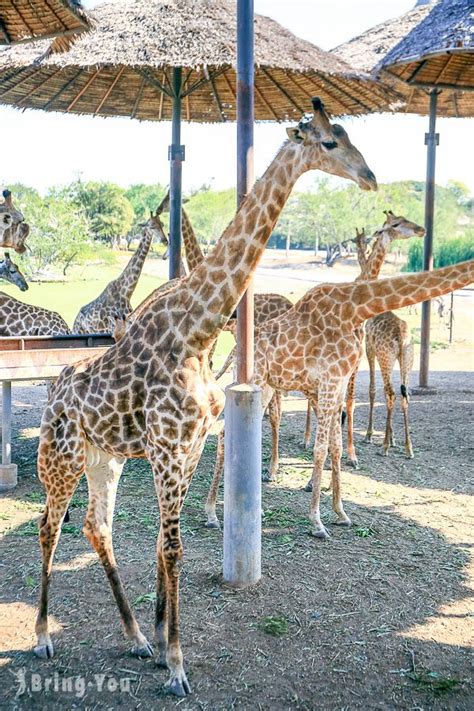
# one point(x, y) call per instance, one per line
point(295, 135)
point(8, 198)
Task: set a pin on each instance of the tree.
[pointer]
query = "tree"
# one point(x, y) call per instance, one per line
point(59, 233)
point(105, 205)
point(144, 199)
point(210, 212)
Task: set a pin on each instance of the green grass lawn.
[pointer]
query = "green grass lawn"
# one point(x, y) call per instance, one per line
point(67, 297)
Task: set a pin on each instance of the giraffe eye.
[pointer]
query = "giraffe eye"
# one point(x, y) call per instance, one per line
point(329, 145)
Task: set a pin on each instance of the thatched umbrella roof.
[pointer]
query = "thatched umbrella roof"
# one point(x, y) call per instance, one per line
point(24, 20)
point(439, 51)
point(123, 67)
point(365, 51)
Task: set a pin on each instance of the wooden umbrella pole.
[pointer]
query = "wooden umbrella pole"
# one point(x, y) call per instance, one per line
point(431, 141)
point(176, 157)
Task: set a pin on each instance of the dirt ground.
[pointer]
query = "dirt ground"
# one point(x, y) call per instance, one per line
point(377, 617)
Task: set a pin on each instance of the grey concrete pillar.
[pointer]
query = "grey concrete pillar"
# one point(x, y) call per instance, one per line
point(8, 471)
point(242, 485)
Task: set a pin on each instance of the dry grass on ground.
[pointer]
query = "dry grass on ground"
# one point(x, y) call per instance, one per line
point(378, 617)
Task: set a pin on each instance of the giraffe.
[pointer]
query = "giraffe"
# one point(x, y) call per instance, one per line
point(20, 319)
point(13, 229)
point(395, 227)
point(388, 339)
point(99, 315)
point(153, 394)
point(315, 348)
point(9, 271)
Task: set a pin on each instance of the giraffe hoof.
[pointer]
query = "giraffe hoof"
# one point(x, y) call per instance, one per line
point(178, 685)
point(213, 523)
point(367, 439)
point(320, 533)
point(266, 476)
point(142, 650)
point(44, 651)
point(343, 522)
point(309, 486)
point(354, 463)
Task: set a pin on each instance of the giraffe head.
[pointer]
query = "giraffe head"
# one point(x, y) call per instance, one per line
point(401, 227)
point(326, 145)
point(13, 229)
point(155, 226)
point(10, 272)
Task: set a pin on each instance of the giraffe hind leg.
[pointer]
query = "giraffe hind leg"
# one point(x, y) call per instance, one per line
point(103, 475)
point(57, 500)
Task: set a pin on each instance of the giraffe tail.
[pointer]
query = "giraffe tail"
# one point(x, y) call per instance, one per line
point(228, 362)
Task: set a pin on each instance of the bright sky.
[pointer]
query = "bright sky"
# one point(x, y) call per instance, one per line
point(44, 149)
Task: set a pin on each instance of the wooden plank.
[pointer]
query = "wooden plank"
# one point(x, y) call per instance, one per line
point(41, 364)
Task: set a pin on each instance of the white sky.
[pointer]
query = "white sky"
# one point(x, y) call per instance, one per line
point(38, 149)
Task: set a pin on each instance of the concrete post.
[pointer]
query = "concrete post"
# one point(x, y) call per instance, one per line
point(8, 471)
point(242, 485)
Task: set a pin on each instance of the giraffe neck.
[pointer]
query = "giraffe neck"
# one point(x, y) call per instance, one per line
point(125, 284)
point(218, 284)
point(194, 255)
point(373, 263)
point(365, 299)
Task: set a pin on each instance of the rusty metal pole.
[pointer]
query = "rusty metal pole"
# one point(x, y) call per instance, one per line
point(431, 141)
point(176, 157)
point(243, 409)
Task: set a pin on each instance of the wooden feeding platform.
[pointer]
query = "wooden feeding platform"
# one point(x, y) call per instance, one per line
point(37, 358)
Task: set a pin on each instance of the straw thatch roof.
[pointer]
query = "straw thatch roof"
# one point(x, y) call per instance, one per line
point(386, 42)
point(365, 51)
point(438, 52)
point(122, 67)
point(24, 20)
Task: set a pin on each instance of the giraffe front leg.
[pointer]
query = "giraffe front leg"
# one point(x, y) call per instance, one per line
point(321, 444)
point(307, 429)
point(370, 425)
point(274, 412)
point(350, 404)
point(335, 449)
point(161, 609)
point(210, 507)
point(102, 479)
point(171, 550)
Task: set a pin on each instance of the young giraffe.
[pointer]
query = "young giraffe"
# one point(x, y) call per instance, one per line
point(13, 229)
point(395, 227)
point(388, 339)
point(315, 348)
point(99, 315)
point(10, 272)
point(153, 395)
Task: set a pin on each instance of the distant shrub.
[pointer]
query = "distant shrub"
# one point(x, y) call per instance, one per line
point(448, 252)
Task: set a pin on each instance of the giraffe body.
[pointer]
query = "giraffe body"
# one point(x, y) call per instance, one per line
point(99, 316)
point(20, 319)
point(153, 395)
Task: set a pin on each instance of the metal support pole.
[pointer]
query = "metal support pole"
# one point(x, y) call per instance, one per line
point(431, 141)
point(243, 409)
point(176, 157)
point(8, 471)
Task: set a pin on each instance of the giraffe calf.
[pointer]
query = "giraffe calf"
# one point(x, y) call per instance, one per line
point(387, 339)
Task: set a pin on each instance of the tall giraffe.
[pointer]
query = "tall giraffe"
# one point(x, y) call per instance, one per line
point(315, 348)
point(99, 316)
point(395, 227)
point(13, 229)
point(10, 272)
point(153, 395)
